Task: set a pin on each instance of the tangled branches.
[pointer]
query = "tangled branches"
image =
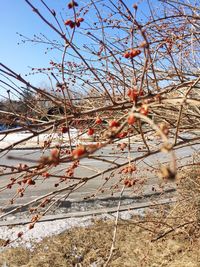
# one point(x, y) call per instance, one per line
point(124, 81)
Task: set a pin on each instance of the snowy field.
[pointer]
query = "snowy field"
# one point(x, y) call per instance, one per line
point(55, 138)
point(50, 228)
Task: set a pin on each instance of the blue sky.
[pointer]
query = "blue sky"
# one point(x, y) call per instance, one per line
point(17, 16)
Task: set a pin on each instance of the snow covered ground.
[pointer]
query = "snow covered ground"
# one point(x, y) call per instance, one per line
point(50, 228)
point(40, 231)
point(6, 140)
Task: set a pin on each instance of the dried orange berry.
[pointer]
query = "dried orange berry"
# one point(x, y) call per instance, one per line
point(144, 110)
point(134, 53)
point(78, 152)
point(131, 119)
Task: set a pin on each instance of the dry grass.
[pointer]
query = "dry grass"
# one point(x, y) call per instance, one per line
point(134, 246)
point(92, 244)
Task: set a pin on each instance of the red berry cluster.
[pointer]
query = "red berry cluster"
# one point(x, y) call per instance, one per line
point(44, 202)
point(132, 94)
point(64, 129)
point(132, 53)
point(128, 169)
point(78, 152)
point(71, 169)
point(129, 182)
point(72, 4)
point(72, 24)
point(90, 131)
point(122, 134)
point(98, 120)
point(114, 123)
